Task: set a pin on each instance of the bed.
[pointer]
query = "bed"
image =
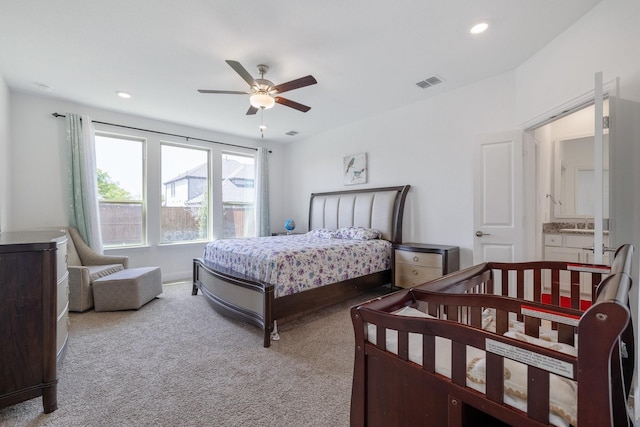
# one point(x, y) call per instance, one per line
point(246, 292)
point(497, 344)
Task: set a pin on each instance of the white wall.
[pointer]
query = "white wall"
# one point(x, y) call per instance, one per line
point(428, 145)
point(5, 154)
point(40, 173)
point(606, 39)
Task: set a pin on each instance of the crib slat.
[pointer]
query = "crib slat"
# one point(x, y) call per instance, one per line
point(458, 363)
point(428, 353)
point(495, 377)
point(575, 290)
point(520, 289)
point(381, 338)
point(538, 394)
point(566, 334)
point(537, 285)
point(532, 326)
point(502, 322)
point(555, 287)
point(505, 281)
point(476, 316)
point(403, 345)
point(452, 313)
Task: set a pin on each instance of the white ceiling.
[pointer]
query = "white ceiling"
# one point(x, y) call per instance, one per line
point(366, 55)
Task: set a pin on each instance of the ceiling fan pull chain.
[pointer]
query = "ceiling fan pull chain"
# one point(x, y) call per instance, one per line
point(262, 125)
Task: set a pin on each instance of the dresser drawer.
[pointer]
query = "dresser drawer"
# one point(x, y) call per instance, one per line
point(419, 259)
point(61, 259)
point(62, 329)
point(63, 293)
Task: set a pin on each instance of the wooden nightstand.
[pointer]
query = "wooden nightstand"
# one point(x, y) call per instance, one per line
point(284, 233)
point(416, 263)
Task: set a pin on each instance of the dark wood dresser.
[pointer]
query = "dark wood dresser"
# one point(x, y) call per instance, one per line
point(29, 316)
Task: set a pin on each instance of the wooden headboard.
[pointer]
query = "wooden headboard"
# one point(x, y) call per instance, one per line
point(378, 208)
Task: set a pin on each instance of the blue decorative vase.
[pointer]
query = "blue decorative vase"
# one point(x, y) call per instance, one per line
point(289, 225)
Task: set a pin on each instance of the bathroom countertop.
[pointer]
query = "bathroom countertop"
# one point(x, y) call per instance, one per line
point(570, 228)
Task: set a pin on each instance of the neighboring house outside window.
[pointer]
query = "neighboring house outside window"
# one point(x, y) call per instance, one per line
point(238, 195)
point(185, 203)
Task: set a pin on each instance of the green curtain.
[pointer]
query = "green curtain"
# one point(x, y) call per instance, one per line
point(84, 211)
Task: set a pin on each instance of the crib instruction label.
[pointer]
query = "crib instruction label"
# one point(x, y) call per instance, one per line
point(527, 357)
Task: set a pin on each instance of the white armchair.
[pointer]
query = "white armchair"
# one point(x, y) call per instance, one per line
point(85, 265)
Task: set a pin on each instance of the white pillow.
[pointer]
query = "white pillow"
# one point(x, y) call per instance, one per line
point(322, 233)
point(357, 233)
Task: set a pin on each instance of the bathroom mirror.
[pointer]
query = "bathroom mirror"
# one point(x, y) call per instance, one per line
point(574, 178)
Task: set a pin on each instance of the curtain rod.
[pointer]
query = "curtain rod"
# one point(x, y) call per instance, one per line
point(165, 133)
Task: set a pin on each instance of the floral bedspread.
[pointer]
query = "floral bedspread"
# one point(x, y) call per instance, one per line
point(295, 263)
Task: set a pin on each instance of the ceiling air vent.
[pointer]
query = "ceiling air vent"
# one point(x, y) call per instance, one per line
point(434, 80)
point(291, 133)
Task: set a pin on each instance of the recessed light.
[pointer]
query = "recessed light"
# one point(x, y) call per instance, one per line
point(124, 95)
point(479, 28)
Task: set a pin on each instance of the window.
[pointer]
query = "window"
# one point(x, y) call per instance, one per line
point(121, 196)
point(185, 197)
point(238, 195)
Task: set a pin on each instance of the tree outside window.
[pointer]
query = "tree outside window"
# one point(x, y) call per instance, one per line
point(121, 196)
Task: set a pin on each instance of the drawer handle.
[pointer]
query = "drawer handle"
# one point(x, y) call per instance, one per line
point(415, 272)
point(416, 259)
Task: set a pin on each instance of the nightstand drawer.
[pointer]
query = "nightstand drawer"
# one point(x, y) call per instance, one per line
point(408, 275)
point(419, 259)
point(417, 263)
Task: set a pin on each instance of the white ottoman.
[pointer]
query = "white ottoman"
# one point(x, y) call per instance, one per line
point(128, 289)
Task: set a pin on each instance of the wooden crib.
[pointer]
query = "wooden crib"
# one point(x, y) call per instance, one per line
point(497, 344)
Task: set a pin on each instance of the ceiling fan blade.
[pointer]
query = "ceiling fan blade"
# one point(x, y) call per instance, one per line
point(242, 71)
point(232, 92)
point(292, 104)
point(252, 110)
point(295, 84)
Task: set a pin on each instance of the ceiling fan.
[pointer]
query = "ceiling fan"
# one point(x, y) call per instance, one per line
point(263, 92)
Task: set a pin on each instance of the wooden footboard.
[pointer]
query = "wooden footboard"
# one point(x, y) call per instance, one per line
point(402, 378)
point(235, 296)
point(253, 301)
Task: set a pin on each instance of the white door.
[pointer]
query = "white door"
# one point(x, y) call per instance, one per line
point(498, 198)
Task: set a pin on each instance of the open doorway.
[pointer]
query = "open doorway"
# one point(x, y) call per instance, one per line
point(564, 186)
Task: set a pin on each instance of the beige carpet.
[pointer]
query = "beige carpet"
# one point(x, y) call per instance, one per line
point(176, 362)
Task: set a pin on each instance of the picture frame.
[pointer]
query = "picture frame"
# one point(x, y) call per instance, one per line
point(354, 168)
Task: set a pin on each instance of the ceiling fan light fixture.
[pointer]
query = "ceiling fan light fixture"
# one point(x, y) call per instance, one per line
point(262, 100)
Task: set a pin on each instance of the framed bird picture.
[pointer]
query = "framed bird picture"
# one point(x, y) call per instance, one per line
point(355, 169)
